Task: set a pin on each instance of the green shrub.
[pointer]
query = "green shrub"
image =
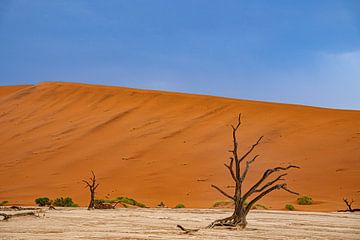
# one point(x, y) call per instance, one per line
point(130, 201)
point(43, 201)
point(64, 202)
point(2, 203)
point(180, 205)
point(304, 200)
point(290, 207)
point(223, 203)
point(260, 206)
point(127, 200)
point(99, 201)
point(124, 200)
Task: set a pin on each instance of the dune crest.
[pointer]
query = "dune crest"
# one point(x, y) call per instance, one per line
point(158, 146)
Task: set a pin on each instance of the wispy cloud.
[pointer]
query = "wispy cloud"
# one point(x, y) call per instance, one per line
point(340, 65)
point(330, 80)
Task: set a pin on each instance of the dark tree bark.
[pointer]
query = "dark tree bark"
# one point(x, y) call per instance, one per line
point(92, 185)
point(260, 189)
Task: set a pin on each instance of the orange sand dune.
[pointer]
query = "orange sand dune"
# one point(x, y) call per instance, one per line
point(158, 146)
point(5, 90)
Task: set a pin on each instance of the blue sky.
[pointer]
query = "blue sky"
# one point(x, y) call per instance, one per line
point(302, 52)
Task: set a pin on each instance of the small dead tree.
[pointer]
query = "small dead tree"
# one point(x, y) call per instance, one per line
point(261, 188)
point(92, 185)
point(348, 205)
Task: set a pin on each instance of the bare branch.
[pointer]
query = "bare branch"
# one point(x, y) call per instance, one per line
point(348, 204)
point(87, 183)
point(290, 191)
point(231, 170)
point(266, 174)
point(247, 167)
point(224, 193)
point(238, 123)
point(271, 183)
point(264, 193)
point(251, 149)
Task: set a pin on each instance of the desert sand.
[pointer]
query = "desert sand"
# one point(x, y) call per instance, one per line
point(5, 90)
point(158, 146)
point(161, 224)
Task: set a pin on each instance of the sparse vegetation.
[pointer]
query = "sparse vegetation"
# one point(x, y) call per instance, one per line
point(125, 201)
point(290, 207)
point(180, 205)
point(257, 206)
point(58, 202)
point(43, 201)
point(101, 204)
point(222, 203)
point(2, 203)
point(225, 203)
point(304, 200)
point(64, 202)
point(99, 201)
point(130, 201)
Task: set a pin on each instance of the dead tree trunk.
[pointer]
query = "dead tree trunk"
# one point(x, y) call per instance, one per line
point(261, 188)
point(8, 216)
point(92, 185)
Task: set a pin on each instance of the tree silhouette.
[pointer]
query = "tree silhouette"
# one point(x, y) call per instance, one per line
point(92, 185)
point(261, 188)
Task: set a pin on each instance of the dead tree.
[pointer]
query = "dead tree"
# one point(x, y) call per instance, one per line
point(187, 231)
point(92, 185)
point(8, 216)
point(348, 204)
point(261, 188)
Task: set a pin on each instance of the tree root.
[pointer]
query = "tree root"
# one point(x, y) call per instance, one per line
point(231, 222)
point(225, 222)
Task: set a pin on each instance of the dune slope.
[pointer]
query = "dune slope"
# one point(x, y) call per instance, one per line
point(158, 146)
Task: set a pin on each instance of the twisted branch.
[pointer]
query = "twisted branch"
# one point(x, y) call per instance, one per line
point(266, 174)
point(248, 163)
point(262, 194)
point(224, 193)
